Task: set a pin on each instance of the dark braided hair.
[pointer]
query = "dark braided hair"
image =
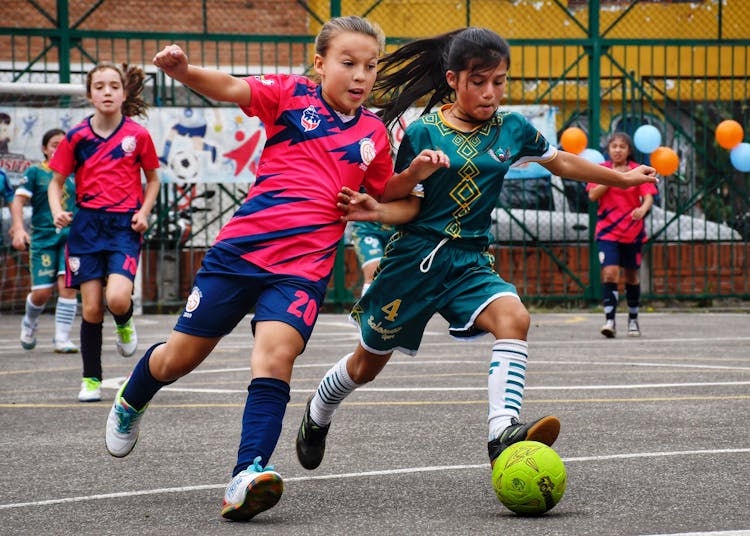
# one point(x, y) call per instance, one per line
point(417, 69)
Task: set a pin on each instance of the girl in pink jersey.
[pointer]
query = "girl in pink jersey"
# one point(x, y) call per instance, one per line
point(107, 152)
point(275, 256)
point(620, 234)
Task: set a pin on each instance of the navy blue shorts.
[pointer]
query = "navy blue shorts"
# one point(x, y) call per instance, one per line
point(99, 244)
point(613, 253)
point(227, 288)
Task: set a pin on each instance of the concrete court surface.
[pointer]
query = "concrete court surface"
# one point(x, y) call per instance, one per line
point(655, 436)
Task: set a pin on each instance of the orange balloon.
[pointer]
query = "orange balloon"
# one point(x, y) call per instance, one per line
point(573, 140)
point(665, 161)
point(729, 134)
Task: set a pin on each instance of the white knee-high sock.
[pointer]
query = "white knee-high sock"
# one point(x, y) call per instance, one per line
point(506, 382)
point(335, 386)
point(32, 311)
point(65, 313)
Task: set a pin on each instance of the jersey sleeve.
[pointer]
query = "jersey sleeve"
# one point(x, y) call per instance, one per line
point(265, 96)
point(6, 190)
point(63, 161)
point(149, 158)
point(380, 170)
point(535, 147)
point(648, 188)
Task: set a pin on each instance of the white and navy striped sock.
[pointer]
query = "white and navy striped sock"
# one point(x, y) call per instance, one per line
point(505, 383)
point(65, 313)
point(335, 386)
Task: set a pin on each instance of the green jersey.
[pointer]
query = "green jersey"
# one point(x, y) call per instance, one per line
point(458, 201)
point(34, 185)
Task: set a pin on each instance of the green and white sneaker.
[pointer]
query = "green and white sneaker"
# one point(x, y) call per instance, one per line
point(91, 390)
point(252, 491)
point(127, 338)
point(122, 426)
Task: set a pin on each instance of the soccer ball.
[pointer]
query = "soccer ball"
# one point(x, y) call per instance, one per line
point(529, 478)
point(184, 165)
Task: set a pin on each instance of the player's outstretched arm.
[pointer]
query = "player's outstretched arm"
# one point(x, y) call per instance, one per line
point(575, 167)
point(214, 84)
point(358, 206)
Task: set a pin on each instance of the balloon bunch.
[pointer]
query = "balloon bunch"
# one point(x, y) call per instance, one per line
point(574, 140)
point(729, 135)
point(647, 139)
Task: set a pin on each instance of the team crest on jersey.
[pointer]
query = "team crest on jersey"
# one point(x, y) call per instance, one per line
point(499, 155)
point(367, 150)
point(264, 81)
point(128, 144)
point(193, 301)
point(74, 264)
point(310, 119)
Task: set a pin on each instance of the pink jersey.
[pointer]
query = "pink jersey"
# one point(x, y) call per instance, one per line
point(289, 223)
point(615, 206)
point(107, 171)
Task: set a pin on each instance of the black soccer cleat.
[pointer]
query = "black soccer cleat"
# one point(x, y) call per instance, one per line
point(311, 441)
point(544, 430)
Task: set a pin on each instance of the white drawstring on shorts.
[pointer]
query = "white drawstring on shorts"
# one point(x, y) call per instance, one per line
point(427, 261)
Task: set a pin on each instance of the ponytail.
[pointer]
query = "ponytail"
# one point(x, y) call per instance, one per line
point(417, 69)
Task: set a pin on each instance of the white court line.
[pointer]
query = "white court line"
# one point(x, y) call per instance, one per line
point(341, 476)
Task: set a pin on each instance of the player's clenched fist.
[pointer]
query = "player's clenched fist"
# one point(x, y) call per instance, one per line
point(172, 60)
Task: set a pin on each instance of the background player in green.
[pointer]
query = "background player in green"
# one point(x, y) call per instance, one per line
point(47, 249)
point(369, 239)
point(439, 261)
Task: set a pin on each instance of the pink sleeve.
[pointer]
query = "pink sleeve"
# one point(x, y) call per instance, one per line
point(63, 159)
point(380, 170)
point(149, 158)
point(265, 99)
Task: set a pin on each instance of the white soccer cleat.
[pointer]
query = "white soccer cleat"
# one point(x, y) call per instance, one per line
point(28, 335)
point(251, 492)
point(64, 347)
point(122, 426)
point(127, 338)
point(608, 329)
point(91, 390)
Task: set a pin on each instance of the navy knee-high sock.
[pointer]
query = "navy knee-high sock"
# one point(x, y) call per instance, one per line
point(121, 320)
point(142, 386)
point(633, 296)
point(91, 349)
point(609, 292)
point(261, 422)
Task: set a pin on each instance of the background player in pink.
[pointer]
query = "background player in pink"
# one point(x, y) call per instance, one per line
point(276, 254)
point(106, 151)
point(620, 234)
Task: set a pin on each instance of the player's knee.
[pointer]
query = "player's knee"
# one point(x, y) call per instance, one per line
point(364, 368)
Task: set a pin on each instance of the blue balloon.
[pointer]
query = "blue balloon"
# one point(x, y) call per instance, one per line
point(647, 139)
point(592, 155)
point(740, 157)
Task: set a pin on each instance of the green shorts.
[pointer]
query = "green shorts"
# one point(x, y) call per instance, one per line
point(46, 262)
point(458, 285)
point(370, 239)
